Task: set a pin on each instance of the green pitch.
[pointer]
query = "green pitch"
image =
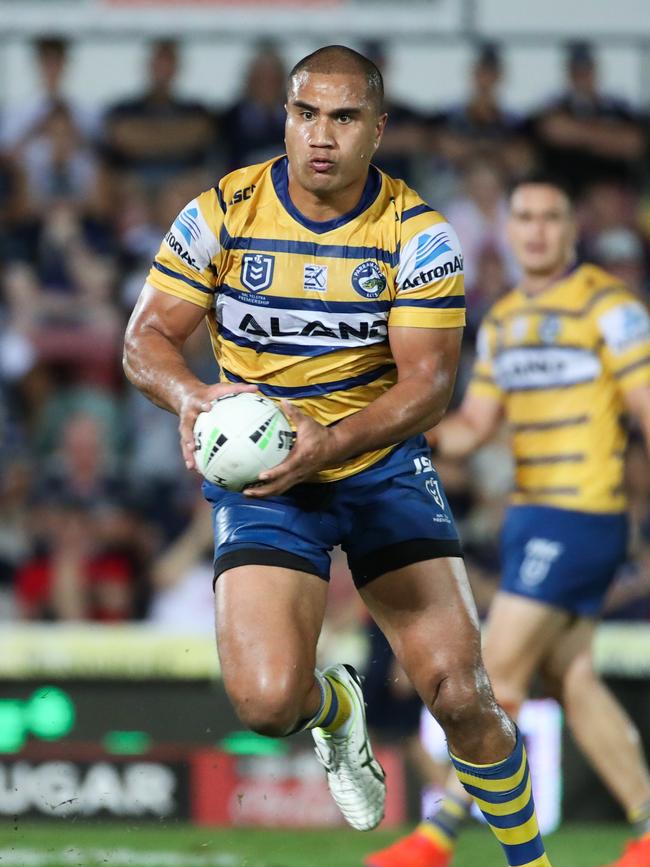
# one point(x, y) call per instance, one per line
point(132, 845)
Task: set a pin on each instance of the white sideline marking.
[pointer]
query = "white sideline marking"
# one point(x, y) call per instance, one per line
point(72, 857)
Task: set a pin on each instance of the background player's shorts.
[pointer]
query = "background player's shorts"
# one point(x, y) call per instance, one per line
point(389, 515)
point(561, 557)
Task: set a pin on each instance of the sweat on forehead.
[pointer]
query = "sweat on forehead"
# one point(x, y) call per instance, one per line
point(340, 60)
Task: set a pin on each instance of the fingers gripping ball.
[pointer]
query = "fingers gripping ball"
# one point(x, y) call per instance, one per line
point(238, 437)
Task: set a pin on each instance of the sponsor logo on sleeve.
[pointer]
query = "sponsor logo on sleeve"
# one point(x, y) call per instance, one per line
point(190, 238)
point(625, 327)
point(430, 256)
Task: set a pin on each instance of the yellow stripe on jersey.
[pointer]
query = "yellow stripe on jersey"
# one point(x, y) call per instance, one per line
point(560, 363)
point(301, 308)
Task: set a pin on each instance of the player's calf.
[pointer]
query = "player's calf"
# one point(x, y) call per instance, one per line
point(274, 704)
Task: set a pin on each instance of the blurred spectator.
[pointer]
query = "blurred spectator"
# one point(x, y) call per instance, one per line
point(253, 128)
point(479, 216)
point(22, 122)
point(182, 578)
point(481, 124)
point(15, 526)
point(585, 134)
point(405, 136)
point(157, 134)
point(75, 575)
point(621, 252)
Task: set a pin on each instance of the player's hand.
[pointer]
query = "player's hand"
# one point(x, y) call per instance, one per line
point(197, 401)
point(312, 450)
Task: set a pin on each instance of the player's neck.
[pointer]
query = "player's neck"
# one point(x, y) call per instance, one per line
point(534, 283)
point(322, 208)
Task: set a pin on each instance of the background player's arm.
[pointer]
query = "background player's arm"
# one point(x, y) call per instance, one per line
point(637, 401)
point(426, 360)
point(476, 420)
point(153, 360)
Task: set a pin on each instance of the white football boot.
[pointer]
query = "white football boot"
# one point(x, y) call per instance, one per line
point(355, 778)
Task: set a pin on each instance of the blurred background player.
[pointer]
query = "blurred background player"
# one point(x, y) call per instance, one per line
point(560, 358)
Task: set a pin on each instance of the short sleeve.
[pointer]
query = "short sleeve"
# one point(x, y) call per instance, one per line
point(624, 326)
point(187, 261)
point(430, 289)
point(483, 382)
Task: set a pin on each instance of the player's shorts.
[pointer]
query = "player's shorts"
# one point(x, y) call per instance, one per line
point(561, 557)
point(385, 517)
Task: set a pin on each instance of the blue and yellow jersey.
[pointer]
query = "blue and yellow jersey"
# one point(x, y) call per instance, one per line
point(302, 308)
point(561, 362)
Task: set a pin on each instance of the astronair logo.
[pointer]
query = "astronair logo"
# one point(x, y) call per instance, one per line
point(344, 331)
point(177, 247)
point(257, 271)
point(186, 224)
point(453, 266)
point(430, 247)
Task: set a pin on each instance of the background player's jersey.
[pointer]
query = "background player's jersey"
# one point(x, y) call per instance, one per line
point(561, 362)
point(302, 308)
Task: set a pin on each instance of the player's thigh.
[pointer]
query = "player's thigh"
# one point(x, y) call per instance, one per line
point(268, 621)
point(570, 656)
point(518, 635)
point(427, 612)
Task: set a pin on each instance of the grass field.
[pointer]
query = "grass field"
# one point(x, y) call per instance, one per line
point(130, 845)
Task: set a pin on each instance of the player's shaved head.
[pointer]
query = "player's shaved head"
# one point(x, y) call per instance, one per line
point(341, 60)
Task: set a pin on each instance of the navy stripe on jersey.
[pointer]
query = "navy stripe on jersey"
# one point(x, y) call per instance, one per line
point(278, 301)
point(276, 348)
point(415, 211)
point(280, 179)
point(307, 248)
point(175, 274)
point(457, 301)
point(314, 390)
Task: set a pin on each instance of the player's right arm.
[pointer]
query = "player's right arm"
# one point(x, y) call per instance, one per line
point(480, 414)
point(174, 301)
point(153, 361)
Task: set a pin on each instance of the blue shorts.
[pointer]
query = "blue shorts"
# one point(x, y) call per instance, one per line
point(560, 557)
point(385, 517)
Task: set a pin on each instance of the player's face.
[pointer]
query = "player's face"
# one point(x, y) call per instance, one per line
point(541, 229)
point(333, 130)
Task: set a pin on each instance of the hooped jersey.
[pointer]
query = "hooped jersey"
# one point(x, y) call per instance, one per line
point(561, 362)
point(302, 308)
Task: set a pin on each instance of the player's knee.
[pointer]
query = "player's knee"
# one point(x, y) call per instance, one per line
point(268, 707)
point(461, 695)
point(577, 680)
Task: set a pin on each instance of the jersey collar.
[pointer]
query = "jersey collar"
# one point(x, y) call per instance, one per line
point(280, 178)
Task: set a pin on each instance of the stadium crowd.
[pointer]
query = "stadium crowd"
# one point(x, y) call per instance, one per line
point(98, 517)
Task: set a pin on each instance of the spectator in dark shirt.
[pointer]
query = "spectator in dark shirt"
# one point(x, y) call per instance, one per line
point(253, 127)
point(481, 123)
point(157, 134)
point(585, 134)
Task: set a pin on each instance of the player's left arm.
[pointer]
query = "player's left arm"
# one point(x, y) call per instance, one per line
point(426, 361)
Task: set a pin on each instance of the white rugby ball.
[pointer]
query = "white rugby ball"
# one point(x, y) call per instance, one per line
point(238, 437)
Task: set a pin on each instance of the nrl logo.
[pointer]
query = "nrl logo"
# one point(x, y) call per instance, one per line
point(257, 271)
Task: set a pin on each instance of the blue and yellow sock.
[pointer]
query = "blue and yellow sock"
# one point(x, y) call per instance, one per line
point(640, 819)
point(335, 706)
point(503, 792)
point(443, 827)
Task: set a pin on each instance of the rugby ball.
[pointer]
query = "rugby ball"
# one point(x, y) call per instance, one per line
point(238, 437)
